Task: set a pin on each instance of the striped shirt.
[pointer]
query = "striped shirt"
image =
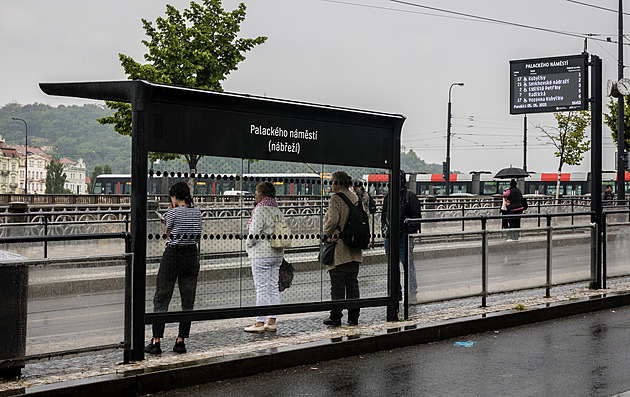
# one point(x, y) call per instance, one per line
point(185, 225)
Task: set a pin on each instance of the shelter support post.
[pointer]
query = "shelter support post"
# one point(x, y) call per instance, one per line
point(596, 164)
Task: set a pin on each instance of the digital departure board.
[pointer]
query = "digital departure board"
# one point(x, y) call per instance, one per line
point(545, 85)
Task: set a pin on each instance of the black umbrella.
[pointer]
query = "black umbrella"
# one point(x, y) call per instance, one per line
point(511, 172)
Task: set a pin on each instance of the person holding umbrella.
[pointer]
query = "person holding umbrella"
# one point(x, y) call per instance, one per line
point(514, 206)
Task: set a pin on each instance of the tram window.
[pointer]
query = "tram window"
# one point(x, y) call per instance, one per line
point(489, 187)
point(457, 188)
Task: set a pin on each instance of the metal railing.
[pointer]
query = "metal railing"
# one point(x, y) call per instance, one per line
point(484, 234)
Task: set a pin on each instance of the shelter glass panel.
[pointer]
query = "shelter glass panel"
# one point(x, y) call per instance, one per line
point(571, 259)
point(617, 253)
point(234, 260)
point(447, 266)
point(516, 261)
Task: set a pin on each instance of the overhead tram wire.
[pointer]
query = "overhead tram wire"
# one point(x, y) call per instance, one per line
point(393, 9)
point(594, 6)
point(499, 21)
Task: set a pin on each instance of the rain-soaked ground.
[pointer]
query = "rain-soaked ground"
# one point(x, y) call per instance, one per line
point(583, 355)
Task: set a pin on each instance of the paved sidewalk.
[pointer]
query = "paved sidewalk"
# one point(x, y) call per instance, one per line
point(223, 341)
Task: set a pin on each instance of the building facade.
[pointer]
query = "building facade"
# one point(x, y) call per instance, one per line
point(75, 175)
point(37, 164)
point(9, 172)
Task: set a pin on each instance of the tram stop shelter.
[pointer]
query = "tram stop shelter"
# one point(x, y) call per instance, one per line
point(170, 119)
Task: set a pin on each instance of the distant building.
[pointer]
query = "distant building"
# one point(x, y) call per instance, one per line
point(9, 171)
point(14, 157)
point(75, 175)
point(37, 164)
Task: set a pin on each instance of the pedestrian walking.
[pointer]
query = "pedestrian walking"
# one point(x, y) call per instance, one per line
point(608, 196)
point(265, 259)
point(179, 264)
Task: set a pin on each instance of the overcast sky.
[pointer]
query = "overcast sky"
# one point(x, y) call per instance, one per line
point(366, 54)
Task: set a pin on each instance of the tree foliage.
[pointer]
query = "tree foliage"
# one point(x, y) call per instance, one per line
point(198, 48)
point(68, 131)
point(569, 138)
point(610, 120)
point(55, 178)
point(410, 162)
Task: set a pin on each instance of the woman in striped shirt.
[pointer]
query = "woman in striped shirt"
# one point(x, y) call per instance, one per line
point(180, 263)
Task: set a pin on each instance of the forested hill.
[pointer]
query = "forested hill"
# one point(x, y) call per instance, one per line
point(73, 132)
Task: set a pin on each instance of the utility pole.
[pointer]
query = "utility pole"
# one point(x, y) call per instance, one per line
point(621, 165)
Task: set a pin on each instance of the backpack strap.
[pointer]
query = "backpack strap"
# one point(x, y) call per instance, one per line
point(347, 200)
point(273, 218)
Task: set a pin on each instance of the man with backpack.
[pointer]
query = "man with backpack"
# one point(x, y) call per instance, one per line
point(409, 209)
point(348, 253)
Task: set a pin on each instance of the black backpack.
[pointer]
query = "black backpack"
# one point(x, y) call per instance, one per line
point(356, 232)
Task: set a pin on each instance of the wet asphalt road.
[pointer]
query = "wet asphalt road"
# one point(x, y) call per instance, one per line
point(585, 355)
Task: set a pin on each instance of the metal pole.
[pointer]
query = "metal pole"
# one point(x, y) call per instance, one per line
point(621, 166)
point(406, 270)
point(447, 177)
point(139, 172)
point(525, 143)
point(549, 256)
point(596, 161)
point(604, 247)
point(484, 262)
point(25, 153)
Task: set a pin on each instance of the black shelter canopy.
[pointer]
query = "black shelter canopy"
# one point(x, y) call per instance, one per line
point(192, 121)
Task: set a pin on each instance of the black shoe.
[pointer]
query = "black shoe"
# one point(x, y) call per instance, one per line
point(180, 347)
point(153, 348)
point(331, 321)
point(353, 322)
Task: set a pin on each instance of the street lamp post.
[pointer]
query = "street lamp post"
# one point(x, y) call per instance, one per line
point(447, 177)
point(26, 153)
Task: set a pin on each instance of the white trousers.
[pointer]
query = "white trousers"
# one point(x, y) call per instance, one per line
point(265, 272)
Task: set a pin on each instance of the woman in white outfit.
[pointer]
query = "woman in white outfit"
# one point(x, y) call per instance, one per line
point(265, 259)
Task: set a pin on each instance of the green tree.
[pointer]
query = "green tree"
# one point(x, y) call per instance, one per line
point(198, 47)
point(610, 120)
point(55, 178)
point(569, 138)
point(98, 170)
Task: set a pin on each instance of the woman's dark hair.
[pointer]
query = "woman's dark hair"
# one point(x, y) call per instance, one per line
point(267, 189)
point(513, 183)
point(181, 191)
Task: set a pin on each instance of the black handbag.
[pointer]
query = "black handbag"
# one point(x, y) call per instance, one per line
point(327, 253)
point(285, 275)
